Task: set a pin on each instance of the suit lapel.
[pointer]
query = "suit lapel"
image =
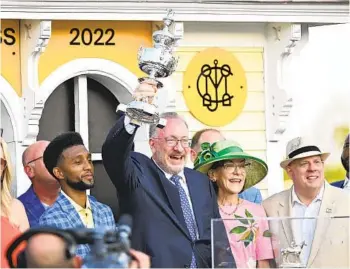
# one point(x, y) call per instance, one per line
point(71, 214)
point(326, 211)
point(197, 199)
point(95, 213)
point(167, 206)
point(174, 198)
point(284, 210)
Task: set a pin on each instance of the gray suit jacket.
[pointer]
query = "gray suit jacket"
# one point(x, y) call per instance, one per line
point(330, 246)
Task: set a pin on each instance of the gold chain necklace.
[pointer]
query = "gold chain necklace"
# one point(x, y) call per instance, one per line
point(231, 213)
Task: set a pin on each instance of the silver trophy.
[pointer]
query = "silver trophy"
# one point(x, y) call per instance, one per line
point(157, 62)
point(291, 256)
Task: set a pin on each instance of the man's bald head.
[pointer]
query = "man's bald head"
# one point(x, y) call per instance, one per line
point(32, 159)
point(48, 251)
point(204, 135)
point(34, 151)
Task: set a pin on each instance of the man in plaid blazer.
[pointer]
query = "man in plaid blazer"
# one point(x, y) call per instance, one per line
point(67, 159)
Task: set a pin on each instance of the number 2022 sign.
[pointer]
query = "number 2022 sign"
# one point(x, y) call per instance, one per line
point(92, 37)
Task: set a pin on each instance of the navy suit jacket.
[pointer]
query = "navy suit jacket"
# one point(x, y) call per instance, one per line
point(338, 184)
point(33, 206)
point(252, 195)
point(159, 227)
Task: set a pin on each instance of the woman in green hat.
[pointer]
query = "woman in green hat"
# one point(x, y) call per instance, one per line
point(232, 171)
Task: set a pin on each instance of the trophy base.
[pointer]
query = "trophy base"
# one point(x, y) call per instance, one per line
point(292, 265)
point(159, 84)
point(142, 113)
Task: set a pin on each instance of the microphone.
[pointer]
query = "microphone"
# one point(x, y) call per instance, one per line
point(120, 257)
point(124, 230)
point(110, 248)
point(82, 236)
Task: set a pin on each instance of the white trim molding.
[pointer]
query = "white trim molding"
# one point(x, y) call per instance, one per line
point(13, 105)
point(283, 42)
point(82, 66)
point(43, 36)
point(223, 11)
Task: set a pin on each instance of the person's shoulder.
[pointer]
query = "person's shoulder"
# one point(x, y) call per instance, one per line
point(17, 205)
point(338, 193)
point(277, 197)
point(140, 157)
point(251, 192)
point(24, 196)
point(98, 204)
point(52, 214)
point(19, 214)
point(193, 173)
point(338, 184)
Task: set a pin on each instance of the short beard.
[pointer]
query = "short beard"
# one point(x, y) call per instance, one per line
point(79, 186)
point(161, 163)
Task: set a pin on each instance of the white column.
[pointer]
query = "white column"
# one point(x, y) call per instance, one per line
point(282, 42)
point(81, 108)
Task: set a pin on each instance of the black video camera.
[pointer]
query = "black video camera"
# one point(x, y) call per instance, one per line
point(109, 247)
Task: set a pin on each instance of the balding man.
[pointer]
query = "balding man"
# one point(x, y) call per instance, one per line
point(44, 189)
point(49, 251)
point(213, 135)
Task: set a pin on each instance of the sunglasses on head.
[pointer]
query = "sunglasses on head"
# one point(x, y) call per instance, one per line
point(34, 160)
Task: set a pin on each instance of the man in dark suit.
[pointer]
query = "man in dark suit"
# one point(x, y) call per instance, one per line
point(172, 206)
point(344, 184)
point(251, 194)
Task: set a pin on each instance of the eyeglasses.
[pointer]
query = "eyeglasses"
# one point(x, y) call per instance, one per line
point(172, 142)
point(34, 160)
point(231, 167)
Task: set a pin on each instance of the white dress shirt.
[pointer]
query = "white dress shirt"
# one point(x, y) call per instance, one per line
point(346, 185)
point(304, 229)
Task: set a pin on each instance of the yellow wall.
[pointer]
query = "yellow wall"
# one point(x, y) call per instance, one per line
point(249, 127)
point(10, 56)
point(128, 37)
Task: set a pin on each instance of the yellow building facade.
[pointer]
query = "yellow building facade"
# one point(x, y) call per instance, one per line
point(69, 69)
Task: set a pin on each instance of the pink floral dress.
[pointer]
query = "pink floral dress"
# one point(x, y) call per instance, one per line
point(250, 239)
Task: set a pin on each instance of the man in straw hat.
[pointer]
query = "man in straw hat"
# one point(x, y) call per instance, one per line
point(326, 238)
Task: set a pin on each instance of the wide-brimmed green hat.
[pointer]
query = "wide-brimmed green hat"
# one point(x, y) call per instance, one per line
point(228, 150)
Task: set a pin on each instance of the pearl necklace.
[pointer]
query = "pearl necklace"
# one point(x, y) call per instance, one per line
point(234, 210)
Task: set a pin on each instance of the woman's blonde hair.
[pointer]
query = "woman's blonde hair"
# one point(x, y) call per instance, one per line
point(6, 197)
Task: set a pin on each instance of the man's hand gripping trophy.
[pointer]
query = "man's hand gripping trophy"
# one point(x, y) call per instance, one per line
point(157, 62)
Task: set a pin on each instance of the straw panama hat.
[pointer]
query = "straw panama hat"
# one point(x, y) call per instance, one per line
point(228, 150)
point(302, 147)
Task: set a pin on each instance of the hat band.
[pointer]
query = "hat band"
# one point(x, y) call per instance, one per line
point(302, 150)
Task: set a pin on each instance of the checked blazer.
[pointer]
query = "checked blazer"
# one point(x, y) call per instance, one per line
point(63, 215)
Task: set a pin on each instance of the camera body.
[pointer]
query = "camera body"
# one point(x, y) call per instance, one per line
point(109, 247)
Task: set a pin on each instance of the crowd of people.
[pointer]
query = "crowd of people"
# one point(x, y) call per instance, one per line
point(172, 205)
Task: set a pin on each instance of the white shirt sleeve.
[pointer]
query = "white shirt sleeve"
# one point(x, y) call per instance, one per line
point(128, 126)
